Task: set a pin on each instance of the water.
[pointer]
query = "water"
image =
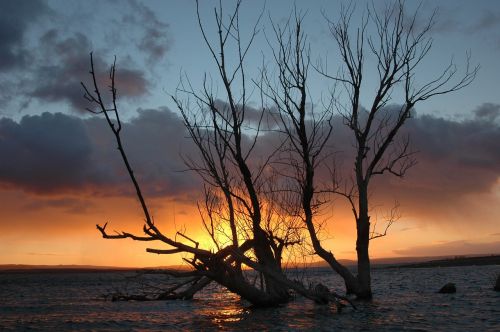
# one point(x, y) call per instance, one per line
point(405, 300)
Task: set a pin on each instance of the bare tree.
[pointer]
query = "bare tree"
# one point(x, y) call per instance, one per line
point(220, 138)
point(221, 266)
point(307, 131)
point(234, 195)
point(399, 45)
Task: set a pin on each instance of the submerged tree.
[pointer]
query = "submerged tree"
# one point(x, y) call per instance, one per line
point(257, 208)
point(307, 131)
point(235, 203)
point(399, 45)
point(217, 128)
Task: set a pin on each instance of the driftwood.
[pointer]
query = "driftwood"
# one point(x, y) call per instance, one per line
point(183, 288)
point(189, 283)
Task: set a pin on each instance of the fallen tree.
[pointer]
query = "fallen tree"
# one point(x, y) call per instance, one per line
point(234, 192)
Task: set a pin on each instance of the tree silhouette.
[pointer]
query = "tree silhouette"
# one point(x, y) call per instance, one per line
point(399, 45)
point(255, 209)
point(234, 191)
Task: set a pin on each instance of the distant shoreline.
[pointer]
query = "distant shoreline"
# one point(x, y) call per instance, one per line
point(56, 269)
point(410, 262)
point(455, 261)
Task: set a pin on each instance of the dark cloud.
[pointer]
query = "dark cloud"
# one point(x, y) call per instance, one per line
point(450, 19)
point(57, 154)
point(67, 205)
point(68, 63)
point(154, 37)
point(254, 117)
point(454, 158)
point(446, 22)
point(458, 167)
point(156, 141)
point(44, 153)
point(488, 112)
point(15, 17)
point(451, 248)
point(457, 171)
point(488, 20)
point(47, 64)
point(444, 19)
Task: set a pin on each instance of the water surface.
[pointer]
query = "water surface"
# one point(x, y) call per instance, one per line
point(405, 300)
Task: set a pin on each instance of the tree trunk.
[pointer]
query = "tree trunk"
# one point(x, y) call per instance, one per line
point(264, 254)
point(274, 293)
point(364, 290)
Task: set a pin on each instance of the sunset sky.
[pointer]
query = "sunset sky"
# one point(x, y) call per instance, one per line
point(60, 172)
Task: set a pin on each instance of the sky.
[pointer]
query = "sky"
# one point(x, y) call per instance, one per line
point(60, 172)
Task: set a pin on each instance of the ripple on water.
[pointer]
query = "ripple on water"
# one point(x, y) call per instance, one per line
point(405, 300)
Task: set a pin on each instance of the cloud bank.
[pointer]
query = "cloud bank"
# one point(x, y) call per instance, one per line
point(45, 53)
point(60, 153)
point(15, 18)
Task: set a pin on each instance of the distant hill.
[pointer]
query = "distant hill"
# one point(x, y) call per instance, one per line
point(61, 268)
point(455, 261)
point(391, 262)
point(407, 261)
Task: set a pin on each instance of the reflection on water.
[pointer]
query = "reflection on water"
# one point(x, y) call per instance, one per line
point(225, 308)
point(406, 299)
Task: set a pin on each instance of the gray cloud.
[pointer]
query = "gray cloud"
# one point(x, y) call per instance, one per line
point(155, 141)
point(60, 153)
point(457, 171)
point(147, 32)
point(488, 112)
point(488, 20)
point(46, 153)
point(57, 154)
point(454, 157)
point(47, 64)
point(67, 205)
point(67, 63)
point(458, 166)
point(15, 17)
point(155, 38)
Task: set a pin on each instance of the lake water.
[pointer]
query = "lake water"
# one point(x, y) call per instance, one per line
point(405, 300)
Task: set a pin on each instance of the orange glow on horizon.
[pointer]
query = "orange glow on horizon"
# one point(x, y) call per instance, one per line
point(54, 233)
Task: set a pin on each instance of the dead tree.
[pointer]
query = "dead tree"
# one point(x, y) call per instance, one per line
point(307, 131)
point(221, 266)
point(219, 135)
point(237, 191)
point(399, 45)
point(218, 266)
